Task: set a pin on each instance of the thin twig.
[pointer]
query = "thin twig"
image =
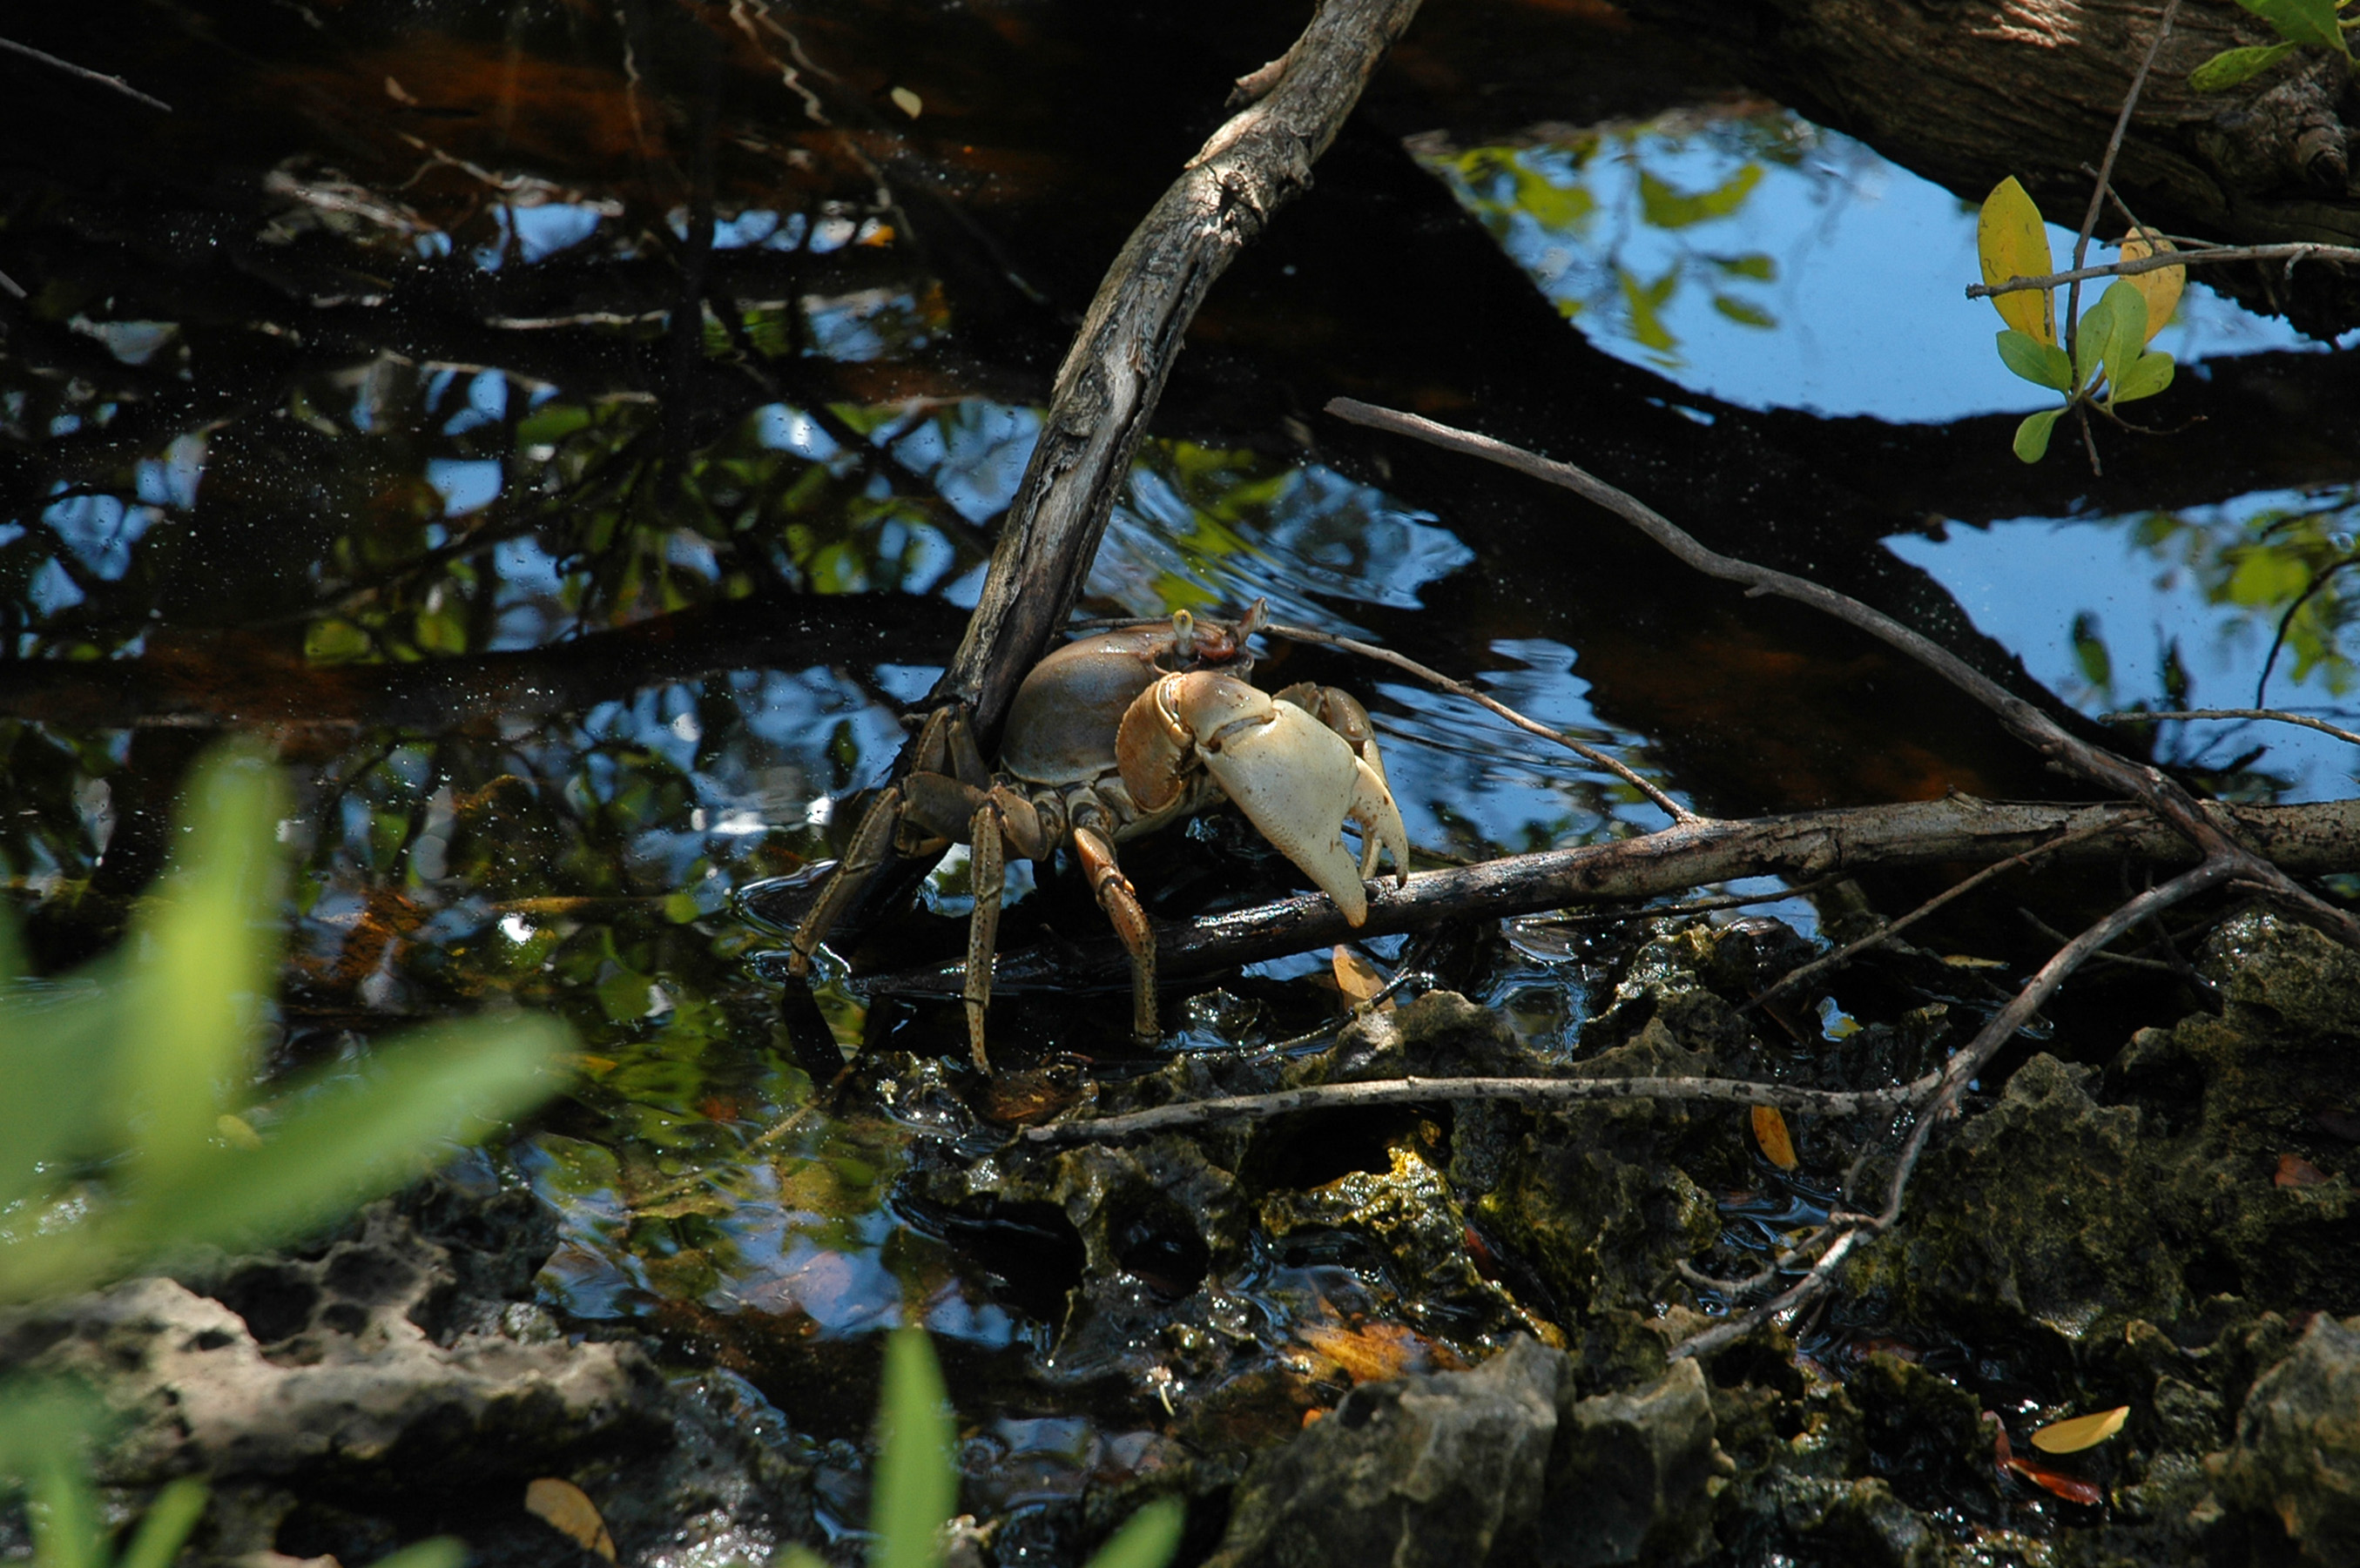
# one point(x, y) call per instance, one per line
point(1729, 1331)
point(2127, 960)
point(1415, 1091)
point(2276, 715)
point(1672, 808)
point(2163, 259)
point(2105, 179)
point(70, 68)
point(1934, 1098)
point(1845, 955)
point(1694, 907)
point(2318, 579)
point(2174, 804)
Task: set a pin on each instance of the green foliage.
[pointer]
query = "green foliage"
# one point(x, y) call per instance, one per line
point(2312, 23)
point(2230, 66)
point(917, 1479)
point(131, 1128)
point(2107, 353)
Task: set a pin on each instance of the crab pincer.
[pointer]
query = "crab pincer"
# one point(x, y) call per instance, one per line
point(1296, 779)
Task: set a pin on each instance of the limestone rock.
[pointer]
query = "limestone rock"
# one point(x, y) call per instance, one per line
point(2298, 1448)
point(1431, 1470)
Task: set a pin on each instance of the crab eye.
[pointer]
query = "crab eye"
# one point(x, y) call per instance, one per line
point(1184, 634)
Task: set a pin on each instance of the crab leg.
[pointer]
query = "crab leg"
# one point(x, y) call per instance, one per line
point(1120, 899)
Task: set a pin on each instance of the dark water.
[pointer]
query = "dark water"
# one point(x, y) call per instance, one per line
point(571, 434)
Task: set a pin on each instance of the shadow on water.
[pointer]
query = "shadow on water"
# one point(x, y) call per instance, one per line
point(574, 434)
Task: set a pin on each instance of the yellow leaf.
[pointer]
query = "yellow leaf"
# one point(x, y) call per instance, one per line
point(908, 102)
point(1355, 976)
point(1969, 961)
point(2160, 288)
point(2012, 243)
point(1770, 1132)
point(2082, 1431)
point(567, 1507)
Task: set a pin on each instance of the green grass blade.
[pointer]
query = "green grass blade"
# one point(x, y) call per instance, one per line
point(204, 954)
point(917, 1482)
point(174, 1513)
point(1147, 1538)
point(65, 1524)
point(341, 1143)
point(56, 1039)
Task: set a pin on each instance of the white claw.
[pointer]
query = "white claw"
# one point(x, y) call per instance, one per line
point(1295, 780)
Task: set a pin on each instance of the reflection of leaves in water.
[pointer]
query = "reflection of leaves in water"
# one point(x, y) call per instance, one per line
point(1602, 218)
point(2287, 565)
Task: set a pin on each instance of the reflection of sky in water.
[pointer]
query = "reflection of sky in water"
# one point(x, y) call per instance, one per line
point(1866, 265)
point(2026, 582)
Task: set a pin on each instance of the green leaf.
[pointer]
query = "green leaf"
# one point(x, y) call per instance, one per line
point(2044, 364)
point(2114, 331)
point(2230, 66)
point(1755, 265)
point(1666, 207)
point(55, 1035)
point(1147, 1540)
point(1643, 299)
point(2303, 21)
point(341, 1142)
point(2032, 436)
point(169, 1518)
point(917, 1484)
point(2150, 375)
point(2089, 651)
point(206, 955)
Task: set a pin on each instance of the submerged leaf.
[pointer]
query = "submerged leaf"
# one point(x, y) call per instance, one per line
point(1770, 1132)
point(1355, 976)
point(2082, 1431)
point(2011, 242)
point(569, 1510)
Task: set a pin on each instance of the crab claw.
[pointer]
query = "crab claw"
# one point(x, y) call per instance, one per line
point(1296, 780)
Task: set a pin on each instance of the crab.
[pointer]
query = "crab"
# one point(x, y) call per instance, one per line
point(1115, 735)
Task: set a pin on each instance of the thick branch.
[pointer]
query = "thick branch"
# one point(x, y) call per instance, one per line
point(1430, 1091)
point(2307, 839)
point(1108, 386)
point(2028, 724)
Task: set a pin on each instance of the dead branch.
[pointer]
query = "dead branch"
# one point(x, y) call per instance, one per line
point(2166, 797)
point(1108, 386)
point(2323, 837)
point(2198, 257)
point(2273, 715)
point(114, 83)
point(1421, 1091)
point(1849, 951)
